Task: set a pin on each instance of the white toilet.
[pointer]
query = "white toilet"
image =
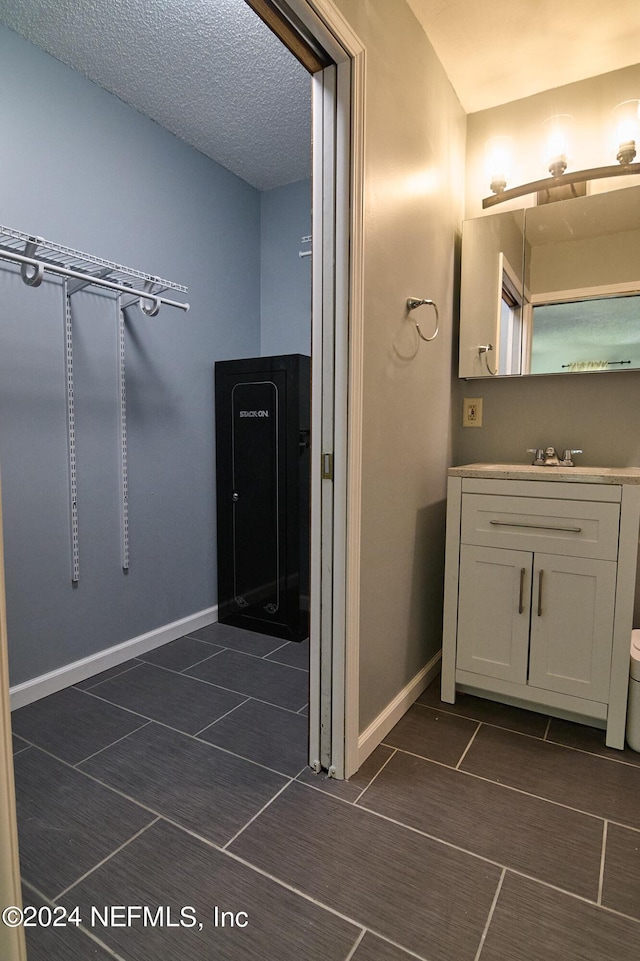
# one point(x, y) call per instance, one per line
point(633, 705)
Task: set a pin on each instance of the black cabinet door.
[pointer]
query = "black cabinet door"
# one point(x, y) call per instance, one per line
point(262, 450)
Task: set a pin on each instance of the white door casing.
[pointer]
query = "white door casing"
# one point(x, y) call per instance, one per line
point(337, 328)
point(12, 944)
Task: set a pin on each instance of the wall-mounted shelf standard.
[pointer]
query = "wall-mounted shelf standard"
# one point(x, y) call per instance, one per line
point(37, 256)
point(78, 271)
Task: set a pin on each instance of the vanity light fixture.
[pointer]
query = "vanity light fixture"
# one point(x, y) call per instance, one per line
point(557, 134)
point(557, 157)
point(498, 152)
point(627, 117)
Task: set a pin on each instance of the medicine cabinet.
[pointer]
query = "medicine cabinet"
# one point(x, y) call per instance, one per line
point(552, 289)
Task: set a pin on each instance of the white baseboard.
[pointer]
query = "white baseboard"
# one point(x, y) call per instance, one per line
point(38, 687)
point(389, 717)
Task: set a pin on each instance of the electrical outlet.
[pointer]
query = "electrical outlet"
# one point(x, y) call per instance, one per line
point(472, 412)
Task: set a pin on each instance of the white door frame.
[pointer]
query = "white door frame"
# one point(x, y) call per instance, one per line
point(338, 137)
point(12, 943)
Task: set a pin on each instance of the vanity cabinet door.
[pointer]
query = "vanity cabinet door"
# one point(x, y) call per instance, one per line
point(493, 612)
point(572, 625)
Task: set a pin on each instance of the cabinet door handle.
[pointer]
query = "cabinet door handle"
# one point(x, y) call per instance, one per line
point(540, 573)
point(523, 571)
point(537, 527)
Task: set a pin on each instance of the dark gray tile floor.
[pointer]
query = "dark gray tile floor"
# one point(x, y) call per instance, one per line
point(264, 733)
point(168, 696)
point(82, 724)
point(178, 783)
point(259, 677)
point(65, 942)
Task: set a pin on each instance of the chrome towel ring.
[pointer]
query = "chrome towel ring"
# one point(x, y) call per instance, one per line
point(414, 302)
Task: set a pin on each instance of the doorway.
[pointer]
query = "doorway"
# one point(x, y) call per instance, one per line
point(335, 607)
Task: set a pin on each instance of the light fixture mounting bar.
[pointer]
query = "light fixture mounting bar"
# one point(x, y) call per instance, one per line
point(575, 177)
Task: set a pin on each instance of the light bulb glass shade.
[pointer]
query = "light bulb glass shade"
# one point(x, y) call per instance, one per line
point(498, 154)
point(627, 122)
point(557, 138)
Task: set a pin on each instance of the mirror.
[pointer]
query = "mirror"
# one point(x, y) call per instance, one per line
point(552, 289)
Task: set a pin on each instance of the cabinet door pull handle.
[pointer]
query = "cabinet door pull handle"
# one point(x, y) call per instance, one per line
point(540, 573)
point(523, 571)
point(538, 527)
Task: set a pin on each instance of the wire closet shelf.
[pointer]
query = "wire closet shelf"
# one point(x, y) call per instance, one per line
point(78, 270)
point(36, 256)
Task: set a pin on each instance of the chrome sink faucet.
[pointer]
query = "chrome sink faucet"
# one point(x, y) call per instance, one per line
point(549, 457)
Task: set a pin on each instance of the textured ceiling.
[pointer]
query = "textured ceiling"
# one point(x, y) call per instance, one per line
point(496, 51)
point(208, 70)
point(213, 74)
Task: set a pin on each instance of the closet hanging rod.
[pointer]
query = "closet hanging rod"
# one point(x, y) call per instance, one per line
point(35, 255)
point(90, 279)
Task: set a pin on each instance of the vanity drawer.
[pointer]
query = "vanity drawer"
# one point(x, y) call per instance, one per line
point(572, 528)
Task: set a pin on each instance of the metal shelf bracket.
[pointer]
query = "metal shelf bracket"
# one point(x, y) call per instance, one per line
point(36, 256)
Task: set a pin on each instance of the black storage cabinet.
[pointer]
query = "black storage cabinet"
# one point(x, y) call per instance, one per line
point(263, 500)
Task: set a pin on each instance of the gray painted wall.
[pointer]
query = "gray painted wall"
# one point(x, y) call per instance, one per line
point(413, 210)
point(285, 278)
point(81, 168)
point(596, 412)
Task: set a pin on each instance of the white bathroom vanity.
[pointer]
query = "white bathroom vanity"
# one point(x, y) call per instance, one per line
point(540, 581)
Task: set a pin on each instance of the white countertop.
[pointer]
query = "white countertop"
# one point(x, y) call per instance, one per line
point(578, 474)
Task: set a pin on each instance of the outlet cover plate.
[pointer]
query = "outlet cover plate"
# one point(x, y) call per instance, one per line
point(472, 412)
